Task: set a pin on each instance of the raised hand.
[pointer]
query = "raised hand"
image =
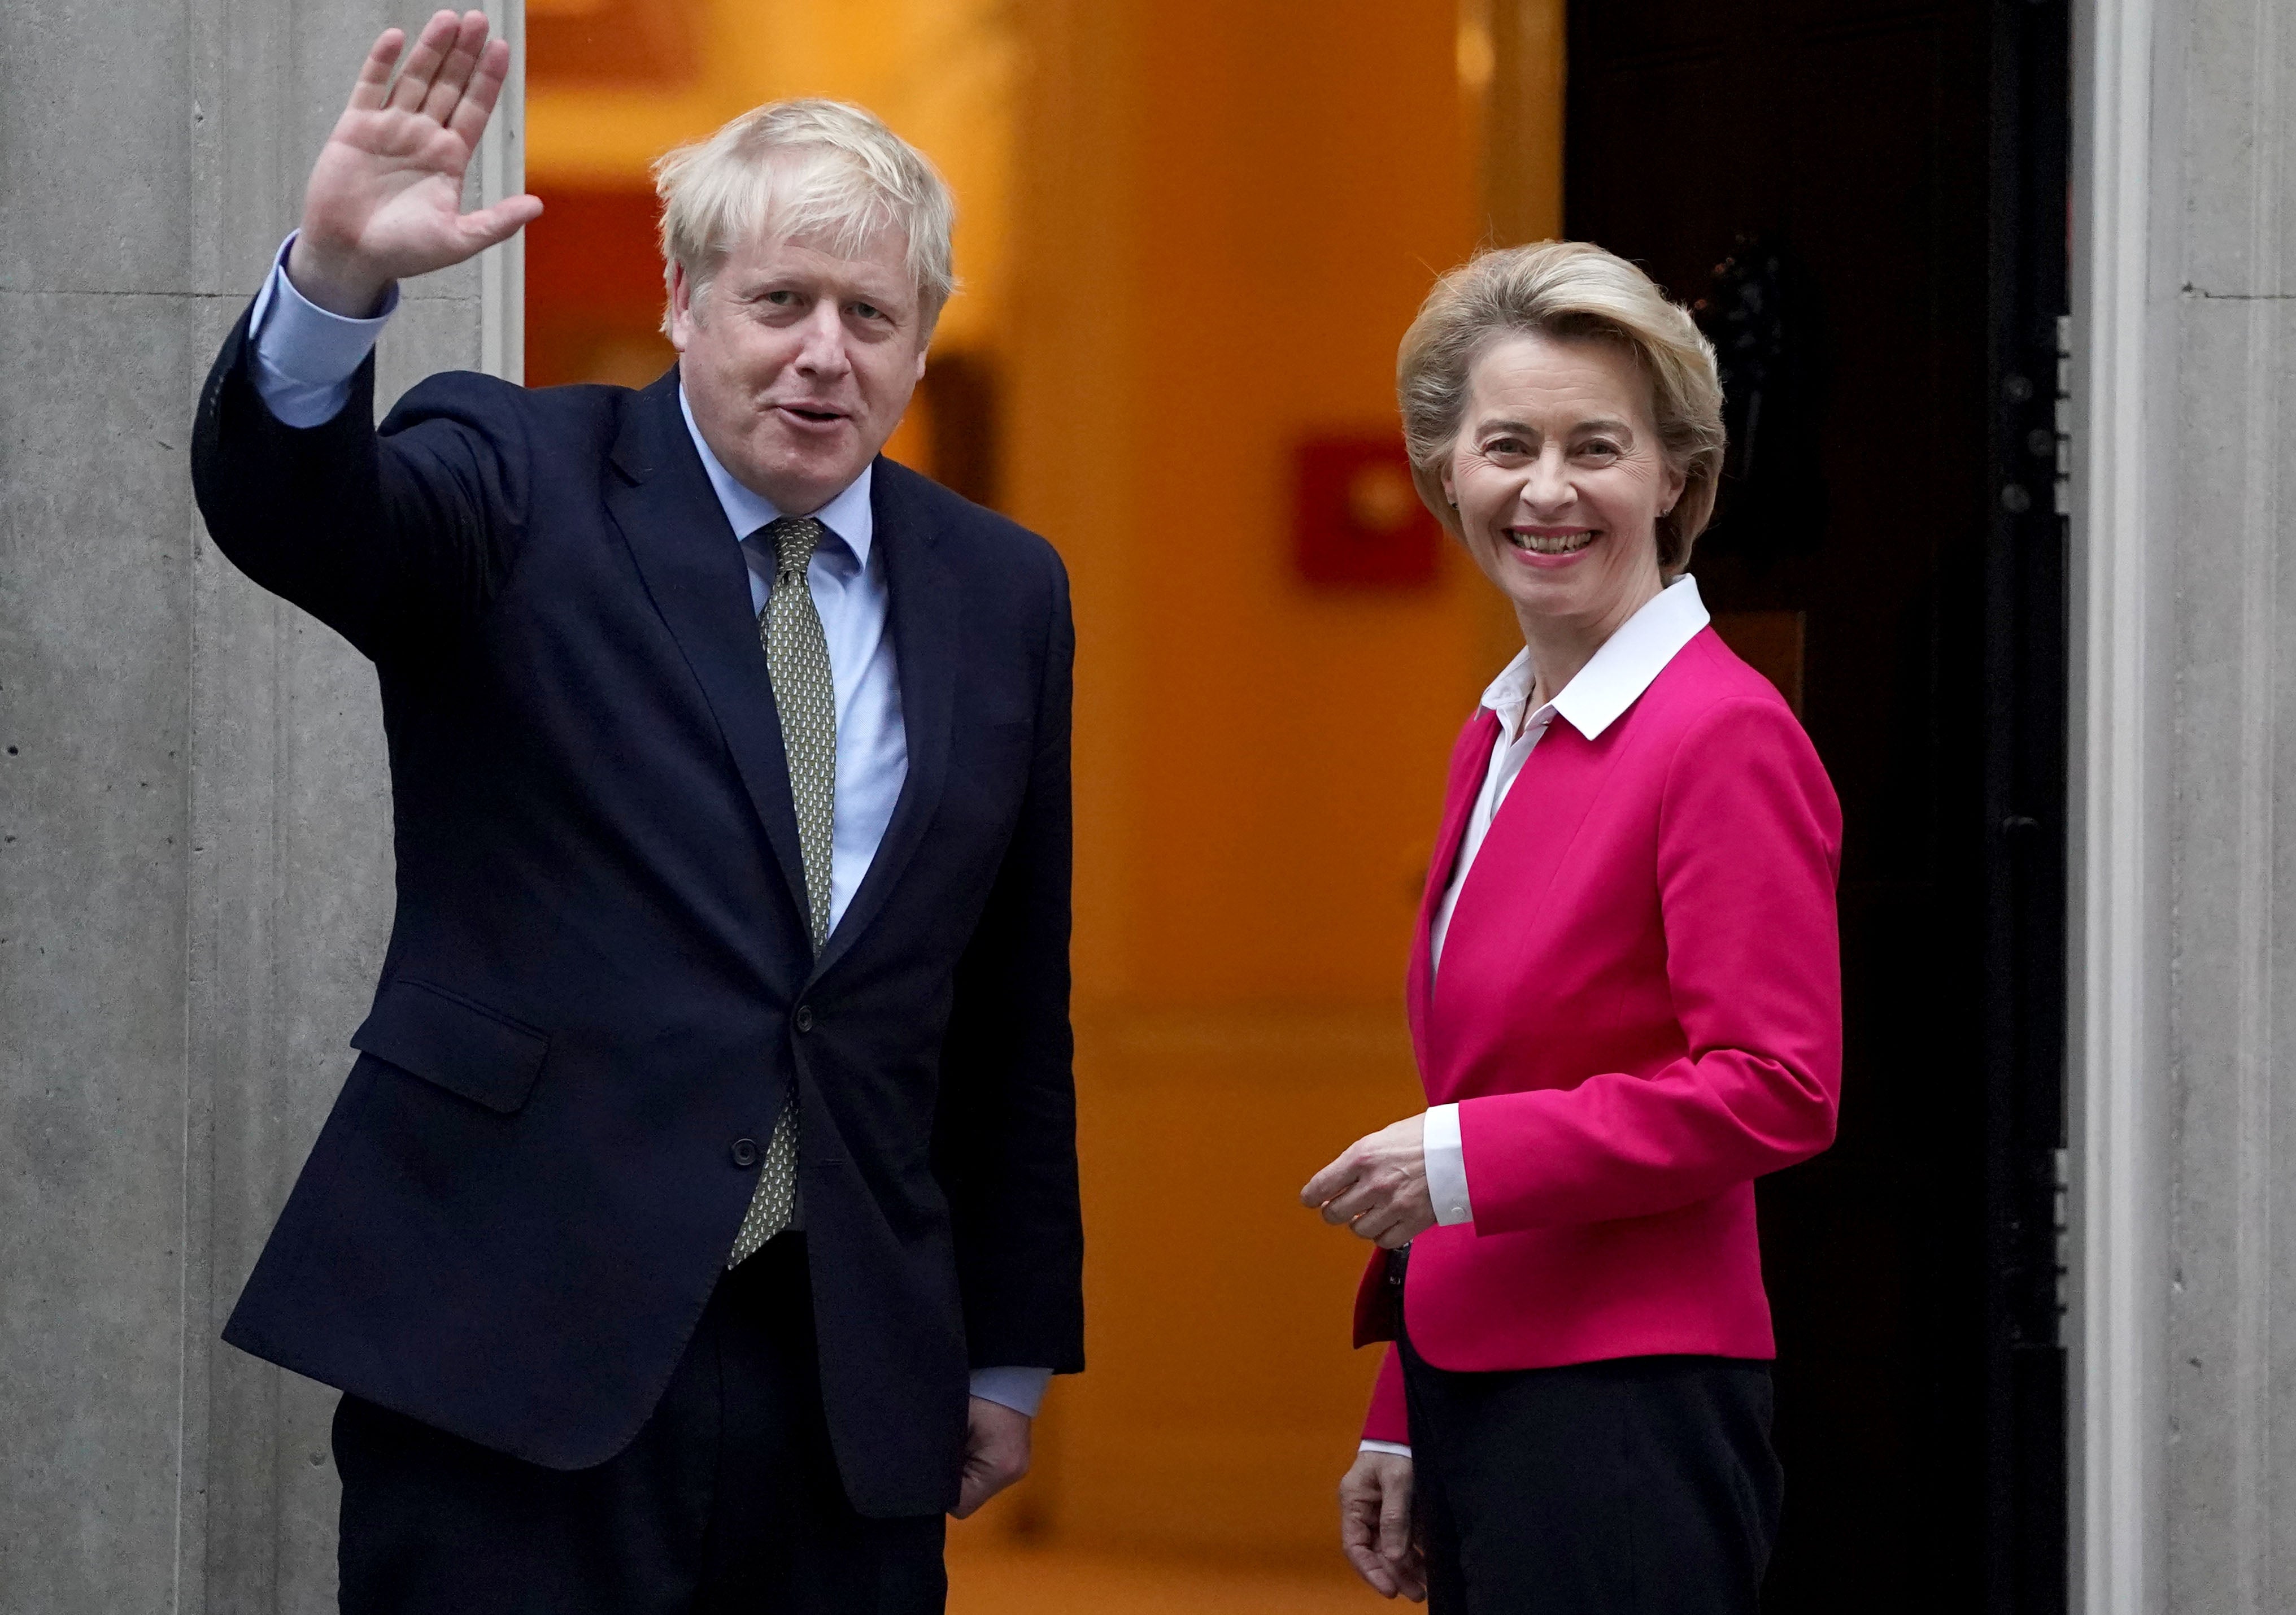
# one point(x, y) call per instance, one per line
point(385, 199)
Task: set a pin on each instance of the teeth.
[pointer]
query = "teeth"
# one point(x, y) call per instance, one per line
point(1550, 543)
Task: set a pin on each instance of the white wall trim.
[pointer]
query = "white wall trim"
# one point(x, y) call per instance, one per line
point(2117, 1421)
point(501, 172)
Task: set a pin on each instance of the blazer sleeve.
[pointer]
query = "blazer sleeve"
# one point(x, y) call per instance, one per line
point(1389, 1418)
point(1004, 1134)
point(1749, 839)
point(393, 536)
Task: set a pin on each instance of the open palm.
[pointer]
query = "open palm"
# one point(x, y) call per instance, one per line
point(385, 199)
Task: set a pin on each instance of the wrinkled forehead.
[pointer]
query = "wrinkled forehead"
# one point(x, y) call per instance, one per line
point(1587, 376)
point(877, 265)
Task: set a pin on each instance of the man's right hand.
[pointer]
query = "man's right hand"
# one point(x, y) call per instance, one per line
point(1376, 1529)
point(385, 201)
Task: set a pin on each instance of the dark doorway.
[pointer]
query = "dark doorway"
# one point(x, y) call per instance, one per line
point(1870, 200)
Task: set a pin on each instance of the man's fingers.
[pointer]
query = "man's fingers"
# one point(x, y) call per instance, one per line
point(971, 1494)
point(414, 87)
point(454, 73)
point(373, 84)
point(983, 1479)
point(491, 226)
point(477, 103)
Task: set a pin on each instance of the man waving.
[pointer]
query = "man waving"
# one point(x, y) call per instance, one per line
point(699, 1223)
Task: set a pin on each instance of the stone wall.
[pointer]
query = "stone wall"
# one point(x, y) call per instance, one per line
point(2225, 76)
point(195, 871)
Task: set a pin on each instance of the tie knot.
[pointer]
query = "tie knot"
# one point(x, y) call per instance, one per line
point(794, 539)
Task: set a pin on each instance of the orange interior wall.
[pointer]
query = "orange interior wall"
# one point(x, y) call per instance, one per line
point(1224, 215)
point(594, 291)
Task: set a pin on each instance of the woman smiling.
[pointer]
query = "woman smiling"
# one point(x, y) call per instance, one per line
point(1624, 995)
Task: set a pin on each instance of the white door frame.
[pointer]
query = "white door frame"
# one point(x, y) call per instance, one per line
point(2117, 994)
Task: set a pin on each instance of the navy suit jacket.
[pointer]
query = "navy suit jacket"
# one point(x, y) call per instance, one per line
point(600, 981)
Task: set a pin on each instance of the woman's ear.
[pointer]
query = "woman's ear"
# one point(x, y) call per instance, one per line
point(1450, 485)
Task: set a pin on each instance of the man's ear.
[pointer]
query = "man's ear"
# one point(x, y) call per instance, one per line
point(683, 317)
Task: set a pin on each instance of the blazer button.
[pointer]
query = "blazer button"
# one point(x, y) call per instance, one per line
point(804, 1017)
point(745, 1151)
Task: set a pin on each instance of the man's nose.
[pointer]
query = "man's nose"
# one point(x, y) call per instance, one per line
point(821, 350)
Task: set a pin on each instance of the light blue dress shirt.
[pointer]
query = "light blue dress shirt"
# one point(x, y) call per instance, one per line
point(303, 362)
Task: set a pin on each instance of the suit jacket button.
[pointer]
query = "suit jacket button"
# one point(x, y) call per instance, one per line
point(745, 1151)
point(804, 1017)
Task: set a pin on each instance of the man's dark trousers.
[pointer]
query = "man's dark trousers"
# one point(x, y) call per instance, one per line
point(601, 983)
point(728, 1500)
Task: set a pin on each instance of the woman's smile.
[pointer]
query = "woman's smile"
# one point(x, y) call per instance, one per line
point(1551, 545)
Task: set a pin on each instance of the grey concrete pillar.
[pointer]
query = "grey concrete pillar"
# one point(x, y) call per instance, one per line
point(2225, 227)
point(195, 871)
point(2184, 1311)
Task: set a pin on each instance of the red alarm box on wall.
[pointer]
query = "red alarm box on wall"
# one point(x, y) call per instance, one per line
point(1357, 522)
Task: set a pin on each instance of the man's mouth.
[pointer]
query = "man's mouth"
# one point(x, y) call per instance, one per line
point(813, 413)
point(1567, 542)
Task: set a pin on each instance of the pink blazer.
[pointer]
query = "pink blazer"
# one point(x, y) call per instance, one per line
point(1639, 1012)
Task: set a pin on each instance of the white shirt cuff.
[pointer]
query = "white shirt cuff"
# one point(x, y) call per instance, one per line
point(1446, 1166)
point(1397, 1448)
point(1021, 1390)
point(304, 356)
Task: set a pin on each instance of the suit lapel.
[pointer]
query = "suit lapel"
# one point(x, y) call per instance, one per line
point(921, 599)
point(677, 534)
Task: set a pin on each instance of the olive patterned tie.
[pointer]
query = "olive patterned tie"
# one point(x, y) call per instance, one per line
point(797, 659)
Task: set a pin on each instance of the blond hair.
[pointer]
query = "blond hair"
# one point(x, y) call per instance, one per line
point(808, 169)
point(1563, 290)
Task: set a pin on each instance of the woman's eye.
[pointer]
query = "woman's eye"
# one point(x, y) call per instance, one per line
point(1503, 447)
point(1599, 448)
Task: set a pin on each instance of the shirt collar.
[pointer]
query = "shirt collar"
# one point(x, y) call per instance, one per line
point(1615, 676)
point(848, 517)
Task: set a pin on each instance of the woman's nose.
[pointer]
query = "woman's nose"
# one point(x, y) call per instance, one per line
point(1547, 488)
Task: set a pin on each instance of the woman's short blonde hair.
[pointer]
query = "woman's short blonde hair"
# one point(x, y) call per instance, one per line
point(1563, 290)
point(805, 170)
